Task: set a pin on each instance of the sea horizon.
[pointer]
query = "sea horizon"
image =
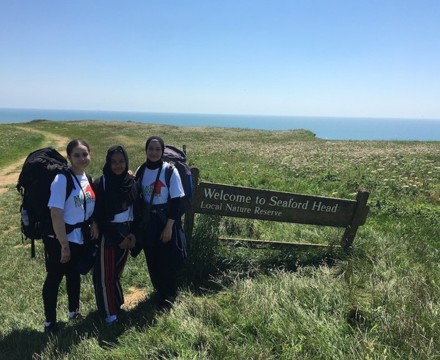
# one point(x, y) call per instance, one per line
point(324, 127)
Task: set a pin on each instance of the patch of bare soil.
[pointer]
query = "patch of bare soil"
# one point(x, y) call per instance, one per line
point(9, 174)
point(135, 296)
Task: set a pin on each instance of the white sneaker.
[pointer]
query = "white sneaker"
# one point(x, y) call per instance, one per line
point(73, 315)
point(50, 327)
point(111, 319)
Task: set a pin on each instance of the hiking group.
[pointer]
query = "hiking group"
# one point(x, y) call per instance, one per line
point(94, 225)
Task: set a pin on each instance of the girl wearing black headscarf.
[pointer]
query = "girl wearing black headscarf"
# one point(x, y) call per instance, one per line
point(116, 194)
point(161, 191)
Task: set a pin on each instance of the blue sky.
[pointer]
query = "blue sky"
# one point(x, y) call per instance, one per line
point(366, 58)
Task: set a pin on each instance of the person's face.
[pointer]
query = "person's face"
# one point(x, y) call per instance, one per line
point(80, 157)
point(118, 163)
point(154, 151)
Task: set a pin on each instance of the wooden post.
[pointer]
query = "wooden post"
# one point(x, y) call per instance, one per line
point(188, 223)
point(359, 218)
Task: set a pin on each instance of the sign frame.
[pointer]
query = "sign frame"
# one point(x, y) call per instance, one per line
point(250, 203)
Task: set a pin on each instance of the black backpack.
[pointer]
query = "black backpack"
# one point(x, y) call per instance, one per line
point(177, 159)
point(39, 170)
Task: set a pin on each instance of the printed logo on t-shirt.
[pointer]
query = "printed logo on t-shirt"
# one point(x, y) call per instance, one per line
point(157, 189)
point(89, 195)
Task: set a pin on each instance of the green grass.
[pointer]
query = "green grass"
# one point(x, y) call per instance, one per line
point(380, 301)
point(17, 143)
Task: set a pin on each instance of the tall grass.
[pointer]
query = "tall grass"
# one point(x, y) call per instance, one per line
point(380, 301)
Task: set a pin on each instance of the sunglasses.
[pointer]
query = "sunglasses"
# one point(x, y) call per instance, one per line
point(79, 155)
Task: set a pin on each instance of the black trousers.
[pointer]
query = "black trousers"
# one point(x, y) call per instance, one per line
point(55, 271)
point(162, 269)
point(162, 260)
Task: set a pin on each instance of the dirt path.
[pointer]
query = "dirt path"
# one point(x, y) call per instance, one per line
point(133, 298)
point(9, 174)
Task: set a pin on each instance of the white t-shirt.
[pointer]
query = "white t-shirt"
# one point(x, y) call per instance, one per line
point(73, 206)
point(161, 191)
point(124, 216)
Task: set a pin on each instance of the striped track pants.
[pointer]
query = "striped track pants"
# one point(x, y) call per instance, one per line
point(107, 273)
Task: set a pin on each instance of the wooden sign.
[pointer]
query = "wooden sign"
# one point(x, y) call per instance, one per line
point(242, 202)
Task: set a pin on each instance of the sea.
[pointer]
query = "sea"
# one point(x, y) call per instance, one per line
point(330, 128)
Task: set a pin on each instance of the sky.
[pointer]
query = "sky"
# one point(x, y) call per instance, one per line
point(352, 58)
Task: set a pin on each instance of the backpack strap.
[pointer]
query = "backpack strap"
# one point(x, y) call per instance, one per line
point(70, 185)
point(168, 173)
point(140, 173)
point(80, 187)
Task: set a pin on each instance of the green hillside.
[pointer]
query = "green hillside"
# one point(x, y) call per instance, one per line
point(380, 301)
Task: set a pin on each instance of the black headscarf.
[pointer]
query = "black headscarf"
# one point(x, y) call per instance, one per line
point(154, 164)
point(120, 191)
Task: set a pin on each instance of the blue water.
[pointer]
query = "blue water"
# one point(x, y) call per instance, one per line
point(324, 127)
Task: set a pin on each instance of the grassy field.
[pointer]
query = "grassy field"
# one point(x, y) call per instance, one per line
point(381, 301)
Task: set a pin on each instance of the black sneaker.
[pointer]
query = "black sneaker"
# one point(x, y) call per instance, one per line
point(165, 303)
point(51, 329)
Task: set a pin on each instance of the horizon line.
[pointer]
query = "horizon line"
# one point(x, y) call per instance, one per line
point(227, 114)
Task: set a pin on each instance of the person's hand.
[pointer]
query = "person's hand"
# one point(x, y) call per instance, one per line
point(124, 244)
point(65, 254)
point(167, 232)
point(133, 241)
point(128, 242)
